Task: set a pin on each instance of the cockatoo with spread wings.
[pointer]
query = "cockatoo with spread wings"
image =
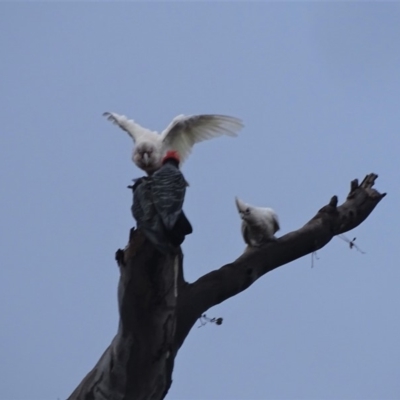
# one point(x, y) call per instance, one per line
point(180, 136)
point(259, 224)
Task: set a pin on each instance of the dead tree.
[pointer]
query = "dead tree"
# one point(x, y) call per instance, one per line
point(158, 307)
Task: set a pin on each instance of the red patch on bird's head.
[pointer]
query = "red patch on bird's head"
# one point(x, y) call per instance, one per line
point(172, 154)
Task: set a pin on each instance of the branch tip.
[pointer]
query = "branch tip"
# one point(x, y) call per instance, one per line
point(119, 257)
point(369, 181)
point(353, 185)
point(331, 207)
point(334, 201)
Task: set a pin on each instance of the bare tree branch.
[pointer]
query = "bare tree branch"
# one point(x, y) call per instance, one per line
point(231, 279)
point(158, 308)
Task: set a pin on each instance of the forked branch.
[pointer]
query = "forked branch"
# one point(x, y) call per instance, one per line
point(158, 307)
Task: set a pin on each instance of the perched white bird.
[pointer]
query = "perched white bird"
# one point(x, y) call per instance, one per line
point(258, 224)
point(180, 136)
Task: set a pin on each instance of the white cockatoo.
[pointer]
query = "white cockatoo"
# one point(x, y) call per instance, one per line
point(259, 224)
point(180, 136)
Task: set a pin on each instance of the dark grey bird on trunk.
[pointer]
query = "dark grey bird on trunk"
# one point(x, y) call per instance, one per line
point(157, 205)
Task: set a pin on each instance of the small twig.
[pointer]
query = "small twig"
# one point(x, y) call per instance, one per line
point(351, 243)
point(313, 254)
point(204, 319)
point(119, 257)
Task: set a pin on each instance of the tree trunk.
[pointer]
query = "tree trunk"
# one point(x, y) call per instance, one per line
point(158, 307)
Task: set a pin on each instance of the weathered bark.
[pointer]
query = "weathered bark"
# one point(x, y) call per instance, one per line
point(134, 365)
point(158, 308)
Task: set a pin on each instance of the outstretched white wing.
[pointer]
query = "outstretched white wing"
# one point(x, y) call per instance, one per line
point(134, 130)
point(184, 131)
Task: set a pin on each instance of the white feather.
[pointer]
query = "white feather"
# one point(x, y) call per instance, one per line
point(259, 224)
point(185, 131)
point(134, 130)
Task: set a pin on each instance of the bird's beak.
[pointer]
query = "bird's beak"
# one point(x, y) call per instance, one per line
point(146, 158)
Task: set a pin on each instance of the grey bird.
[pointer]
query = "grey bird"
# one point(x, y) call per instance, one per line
point(157, 205)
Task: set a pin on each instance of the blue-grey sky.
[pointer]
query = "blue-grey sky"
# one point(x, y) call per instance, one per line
point(318, 88)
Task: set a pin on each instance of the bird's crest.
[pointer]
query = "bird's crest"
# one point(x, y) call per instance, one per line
point(240, 205)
